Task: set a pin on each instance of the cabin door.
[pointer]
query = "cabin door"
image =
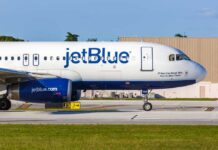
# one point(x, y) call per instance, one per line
point(35, 59)
point(25, 59)
point(147, 59)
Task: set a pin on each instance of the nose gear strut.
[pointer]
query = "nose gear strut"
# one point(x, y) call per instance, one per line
point(146, 106)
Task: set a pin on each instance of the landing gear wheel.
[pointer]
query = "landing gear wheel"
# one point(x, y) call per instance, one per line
point(147, 106)
point(5, 104)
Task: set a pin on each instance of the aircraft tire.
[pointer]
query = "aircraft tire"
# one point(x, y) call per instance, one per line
point(147, 106)
point(5, 104)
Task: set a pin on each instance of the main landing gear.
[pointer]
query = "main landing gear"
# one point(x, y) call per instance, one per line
point(5, 103)
point(147, 106)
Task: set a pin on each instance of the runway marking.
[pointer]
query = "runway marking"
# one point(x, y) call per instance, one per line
point(209, 109)
point(24, 106)
point(134, 117)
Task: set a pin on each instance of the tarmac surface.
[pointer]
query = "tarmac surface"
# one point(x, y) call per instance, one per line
point(118, 112)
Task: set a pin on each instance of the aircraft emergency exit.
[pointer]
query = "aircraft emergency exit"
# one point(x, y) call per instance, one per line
point(58, 71)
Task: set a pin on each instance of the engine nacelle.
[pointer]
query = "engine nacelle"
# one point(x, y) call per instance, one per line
point(44, 90)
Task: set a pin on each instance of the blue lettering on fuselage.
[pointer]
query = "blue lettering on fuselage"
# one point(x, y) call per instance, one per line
point(95, 56)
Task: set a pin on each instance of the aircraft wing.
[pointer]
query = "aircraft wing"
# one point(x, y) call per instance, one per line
point(9, 76)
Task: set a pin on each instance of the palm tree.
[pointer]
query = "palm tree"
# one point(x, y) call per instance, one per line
point(71, 37)
point(180, 35)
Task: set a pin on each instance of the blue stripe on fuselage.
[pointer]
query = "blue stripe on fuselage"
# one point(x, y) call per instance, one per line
point(129, 85)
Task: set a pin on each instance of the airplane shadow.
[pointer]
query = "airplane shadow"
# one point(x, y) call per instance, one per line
point(84, 112)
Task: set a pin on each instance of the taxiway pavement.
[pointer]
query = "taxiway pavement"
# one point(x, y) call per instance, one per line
point(119, 112)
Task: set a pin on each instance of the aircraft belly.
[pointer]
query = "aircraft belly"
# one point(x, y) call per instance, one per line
point(129, 85)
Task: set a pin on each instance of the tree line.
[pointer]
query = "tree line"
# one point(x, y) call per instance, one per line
point(9, 38)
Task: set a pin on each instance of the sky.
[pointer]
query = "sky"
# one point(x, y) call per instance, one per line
point(49, 20)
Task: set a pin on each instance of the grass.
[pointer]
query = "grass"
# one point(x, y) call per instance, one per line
point(107, 137)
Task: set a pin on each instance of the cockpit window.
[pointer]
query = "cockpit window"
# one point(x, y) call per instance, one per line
point(182, 57)
point(172, 57)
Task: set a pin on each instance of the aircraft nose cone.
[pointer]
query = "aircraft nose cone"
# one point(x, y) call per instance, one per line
point(201, 73)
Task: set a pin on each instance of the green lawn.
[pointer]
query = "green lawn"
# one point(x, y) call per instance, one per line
point(111, 137)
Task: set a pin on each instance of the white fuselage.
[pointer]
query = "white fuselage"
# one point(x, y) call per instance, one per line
point(132, 64)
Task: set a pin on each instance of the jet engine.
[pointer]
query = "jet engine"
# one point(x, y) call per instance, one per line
point(44, 90)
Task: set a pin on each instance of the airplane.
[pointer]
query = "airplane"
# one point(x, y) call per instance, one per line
point(58, 71)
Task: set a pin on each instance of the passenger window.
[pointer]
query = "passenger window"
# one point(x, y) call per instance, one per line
point(35, 58)
point(0, 58)
point(64, 58)
point(58, 58)
point(12, 58)
point(6, 58)
point(51, 57)
point(45, 58)
point(18, 58)
point(172, 57)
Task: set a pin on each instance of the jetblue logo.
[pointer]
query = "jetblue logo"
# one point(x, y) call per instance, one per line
point(39, 89)
point(95, 56)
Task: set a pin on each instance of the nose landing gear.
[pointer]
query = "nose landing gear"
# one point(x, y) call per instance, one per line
point(146, 106)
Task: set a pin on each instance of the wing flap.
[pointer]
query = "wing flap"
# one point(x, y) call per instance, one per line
point(9, 76)
point(13, 76)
